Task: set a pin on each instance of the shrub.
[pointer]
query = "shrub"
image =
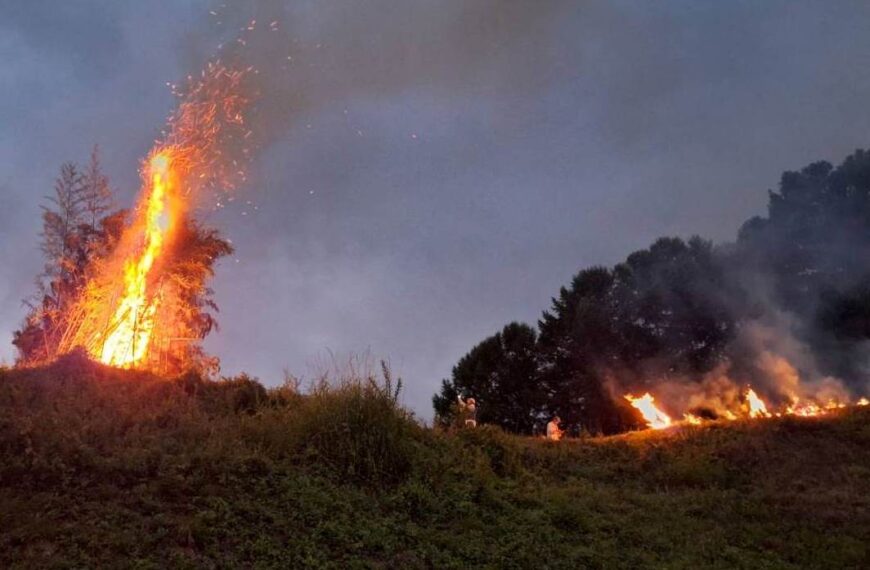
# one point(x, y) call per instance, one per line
point(358, 430)
point(500, 448)
point(352, 428)
point(239, 394)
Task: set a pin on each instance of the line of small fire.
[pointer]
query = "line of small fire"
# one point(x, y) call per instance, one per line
point(754, 407)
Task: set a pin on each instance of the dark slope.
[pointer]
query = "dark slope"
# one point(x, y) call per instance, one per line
point(106, 468)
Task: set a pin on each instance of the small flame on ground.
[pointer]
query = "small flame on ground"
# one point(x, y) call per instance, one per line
point(655, 418)
point(692, 419)
point(757, 407)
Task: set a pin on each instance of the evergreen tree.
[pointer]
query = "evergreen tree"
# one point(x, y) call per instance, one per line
point(77, 228)
point(581, 338)
point(500, 373)
point(814, 247)
point(666, 311)
point(61, 219)
point(191, 265)
point(61, 246)
point(97, 195)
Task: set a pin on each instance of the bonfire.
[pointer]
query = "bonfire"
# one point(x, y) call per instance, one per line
point(139, 309)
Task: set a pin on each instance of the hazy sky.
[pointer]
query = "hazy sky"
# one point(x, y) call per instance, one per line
point(434, 170)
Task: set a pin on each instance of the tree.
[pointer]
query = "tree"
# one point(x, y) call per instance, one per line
point(77, 230)
point(580, 339)
point(666, 311)
point(678, 307)
point(60, 224)
point(61, 246)
point(814, 247)
point(96, 194)
point(501, 374)
point(672, 312)
point(191, 265)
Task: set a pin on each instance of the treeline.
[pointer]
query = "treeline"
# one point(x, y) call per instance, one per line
point(680, 309)
point(81, 230)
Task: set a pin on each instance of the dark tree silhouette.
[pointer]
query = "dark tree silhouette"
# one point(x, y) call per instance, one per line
point(814, 246)
point(501, 374)
point(63, 245)
point(665, 311)
point(672, 311)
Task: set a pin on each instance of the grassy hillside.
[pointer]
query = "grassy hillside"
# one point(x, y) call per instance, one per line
point(107, 468)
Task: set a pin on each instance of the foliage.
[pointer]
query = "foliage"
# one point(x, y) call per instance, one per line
point(108, 468)
point(353, 428)
point(78, 229)
point(189, 269)
point(80, 232)
point(501, 374)
point(674, 310)
point(665, 311)
point(814, 247)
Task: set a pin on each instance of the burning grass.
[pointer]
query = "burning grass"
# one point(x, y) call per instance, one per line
point(103, 467)
point(751, 407)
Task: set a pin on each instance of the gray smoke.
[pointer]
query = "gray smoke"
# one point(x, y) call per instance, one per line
point(310, 55)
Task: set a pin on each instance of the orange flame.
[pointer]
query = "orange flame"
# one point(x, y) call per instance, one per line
point(133, 322)
point(654, 417)
point(692, 419)
point(757, 407)
point(130, 310)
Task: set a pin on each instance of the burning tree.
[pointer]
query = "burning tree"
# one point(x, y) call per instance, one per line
point(775, 324)
point(137, 294)
point(78, 228)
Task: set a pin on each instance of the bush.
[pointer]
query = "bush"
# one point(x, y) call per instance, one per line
point(352, 429)
point(500, 448)
point(229, 395)
point(358, 430)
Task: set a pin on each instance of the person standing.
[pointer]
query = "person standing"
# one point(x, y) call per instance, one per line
point(467, 412)
point(554, 432)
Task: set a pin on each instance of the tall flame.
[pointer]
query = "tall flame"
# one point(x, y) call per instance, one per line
point(129, 332)
point(133, 306)
point(654, 417)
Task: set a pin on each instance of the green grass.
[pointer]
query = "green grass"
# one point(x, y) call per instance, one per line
point(101, 468)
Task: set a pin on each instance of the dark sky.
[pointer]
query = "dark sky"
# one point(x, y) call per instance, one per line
point(433, 170)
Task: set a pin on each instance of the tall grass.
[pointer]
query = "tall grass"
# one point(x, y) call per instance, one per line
point(351, 425)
